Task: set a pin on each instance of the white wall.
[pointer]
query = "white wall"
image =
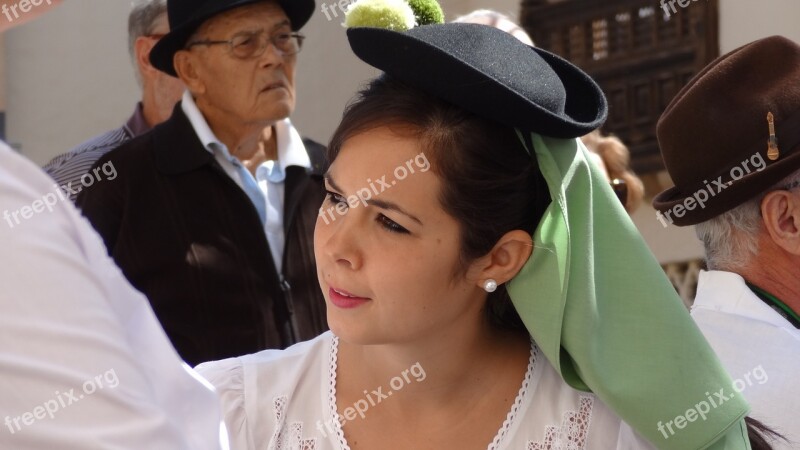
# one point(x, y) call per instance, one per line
point(328, 73)
point(68, 77)
point(669, 244)
point(743, 21)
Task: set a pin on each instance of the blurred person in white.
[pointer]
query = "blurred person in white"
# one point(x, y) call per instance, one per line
point(609, 153)
point(68, 317)
point(497, 20)
point(147, 24)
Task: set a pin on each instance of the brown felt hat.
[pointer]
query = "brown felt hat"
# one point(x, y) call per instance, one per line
point(715, 134)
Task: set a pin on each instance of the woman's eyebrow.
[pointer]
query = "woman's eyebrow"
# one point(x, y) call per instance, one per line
point(329, 179)
point(394, 207)
point(379, 203)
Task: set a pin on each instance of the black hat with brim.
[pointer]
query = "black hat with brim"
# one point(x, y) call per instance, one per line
point(186, 16)
point(490, 73)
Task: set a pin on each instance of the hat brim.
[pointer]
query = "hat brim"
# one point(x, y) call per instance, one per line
point(161, 56)
point(684, 207)
point(430, 58)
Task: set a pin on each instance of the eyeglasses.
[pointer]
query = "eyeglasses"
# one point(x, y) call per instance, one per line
point(253, 44)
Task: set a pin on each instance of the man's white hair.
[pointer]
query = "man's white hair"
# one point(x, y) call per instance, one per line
point(731, 239)
point(142, 21)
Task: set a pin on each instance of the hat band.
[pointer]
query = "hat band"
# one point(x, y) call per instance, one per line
point(788, 140)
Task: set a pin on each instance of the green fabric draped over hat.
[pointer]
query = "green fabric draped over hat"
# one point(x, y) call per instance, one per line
point(601, 309)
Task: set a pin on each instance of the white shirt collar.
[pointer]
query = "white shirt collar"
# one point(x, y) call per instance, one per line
point(727, 292)
point(201, 128)
point(291, 151)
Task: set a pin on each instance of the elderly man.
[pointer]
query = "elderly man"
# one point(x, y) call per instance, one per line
point(147, 23)
point(731, 142)
point(213, 213)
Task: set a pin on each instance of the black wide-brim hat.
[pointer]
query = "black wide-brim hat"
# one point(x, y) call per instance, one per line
point(490, 73)
point(714, 134)
point(186, 16)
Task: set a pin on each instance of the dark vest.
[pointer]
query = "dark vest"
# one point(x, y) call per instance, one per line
point(187, 236)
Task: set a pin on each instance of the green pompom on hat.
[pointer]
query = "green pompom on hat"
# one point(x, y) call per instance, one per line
point(427, 12)
point(395, 15)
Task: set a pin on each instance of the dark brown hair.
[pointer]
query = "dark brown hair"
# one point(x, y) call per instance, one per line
point(490, 185)
point(760, 435)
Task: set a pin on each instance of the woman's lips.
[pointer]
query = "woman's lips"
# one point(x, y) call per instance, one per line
point(344, 299)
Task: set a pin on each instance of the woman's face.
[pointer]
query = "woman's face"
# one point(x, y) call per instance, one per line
point(387, 264)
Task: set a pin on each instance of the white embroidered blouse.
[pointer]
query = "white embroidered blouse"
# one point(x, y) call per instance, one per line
point(286, 400)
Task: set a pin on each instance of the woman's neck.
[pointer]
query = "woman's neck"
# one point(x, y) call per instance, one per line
point(438, 370)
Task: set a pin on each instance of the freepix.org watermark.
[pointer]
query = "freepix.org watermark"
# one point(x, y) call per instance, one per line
point(60, 193)
point(24, 7)
point(341, 5)
point(755, 163)
point(61, 401)
point(668, 5)
point(713, 401)
point(372, 399)
point(376, 187)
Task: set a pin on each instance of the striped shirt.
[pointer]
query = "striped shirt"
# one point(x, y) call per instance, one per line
point(68, 168)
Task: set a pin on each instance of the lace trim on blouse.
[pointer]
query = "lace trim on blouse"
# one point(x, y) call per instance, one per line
point(334, 412)
point(572, 432)
point(517, 406)
point(501, 433)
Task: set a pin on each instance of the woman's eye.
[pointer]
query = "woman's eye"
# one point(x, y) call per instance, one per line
point(335, 198)
point(391, 225)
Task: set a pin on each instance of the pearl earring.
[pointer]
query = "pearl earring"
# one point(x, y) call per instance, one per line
point(490, 285)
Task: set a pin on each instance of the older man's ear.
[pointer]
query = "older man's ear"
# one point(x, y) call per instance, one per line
point(186, 68)
point(18, 12)
point(142, 48)
point(781, 212)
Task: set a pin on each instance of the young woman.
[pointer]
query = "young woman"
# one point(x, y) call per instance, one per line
point(457, 253)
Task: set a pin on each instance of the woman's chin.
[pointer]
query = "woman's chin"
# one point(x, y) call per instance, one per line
point(356, 333)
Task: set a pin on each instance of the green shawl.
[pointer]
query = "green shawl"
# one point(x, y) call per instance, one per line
point(602, 310)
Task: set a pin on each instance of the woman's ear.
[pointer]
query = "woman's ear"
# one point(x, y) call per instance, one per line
point(506, 258)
